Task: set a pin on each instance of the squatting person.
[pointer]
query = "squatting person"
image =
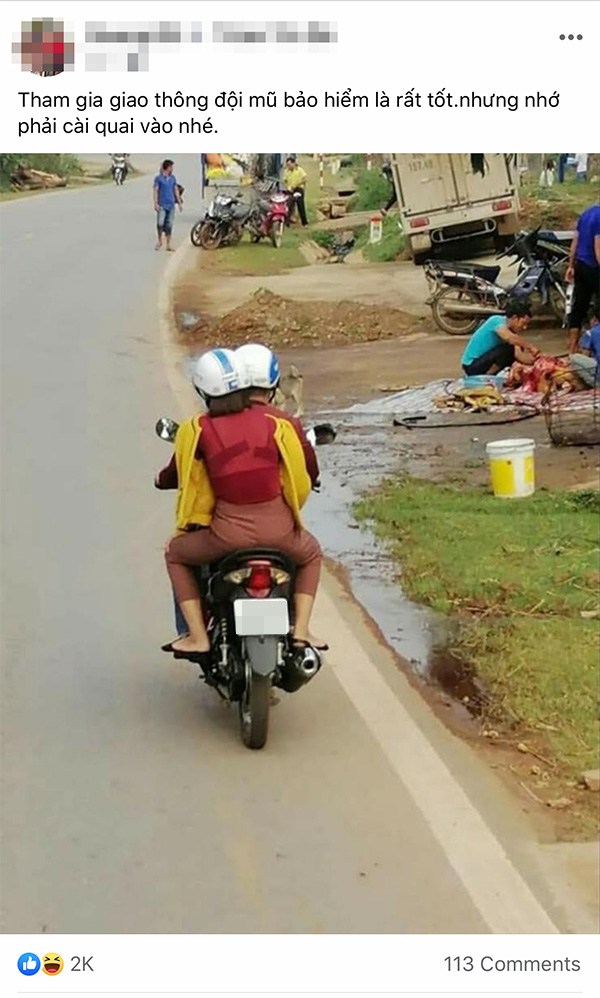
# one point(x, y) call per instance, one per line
point(492, 346)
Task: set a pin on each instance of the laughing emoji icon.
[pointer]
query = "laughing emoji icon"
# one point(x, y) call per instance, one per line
point(52, 964)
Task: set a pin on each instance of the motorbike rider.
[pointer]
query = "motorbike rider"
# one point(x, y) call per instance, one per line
point(240, 471)
point(120, 159)
point(264, 374)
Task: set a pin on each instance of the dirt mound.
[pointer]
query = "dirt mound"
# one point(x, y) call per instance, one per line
point(549, 213)
point(278, 322)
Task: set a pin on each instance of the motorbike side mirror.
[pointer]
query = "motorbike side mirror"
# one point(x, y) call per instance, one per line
point(324, 434)
point(166, 429)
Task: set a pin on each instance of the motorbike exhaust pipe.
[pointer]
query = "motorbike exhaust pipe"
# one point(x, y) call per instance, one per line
point(458, 309)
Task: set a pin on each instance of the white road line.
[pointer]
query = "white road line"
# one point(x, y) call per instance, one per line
point(497, 889)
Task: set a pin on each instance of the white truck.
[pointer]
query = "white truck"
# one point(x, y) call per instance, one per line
point(444, 198)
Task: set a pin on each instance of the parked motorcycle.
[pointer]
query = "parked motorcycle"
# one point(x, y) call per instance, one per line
point(248, 612)
point(223, 224)
point(463, 295)
point(269, 218)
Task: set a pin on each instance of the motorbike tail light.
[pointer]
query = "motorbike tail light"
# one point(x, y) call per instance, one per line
point(260, 576)
point(259, 582)
point(419, 223)
point(501, 205)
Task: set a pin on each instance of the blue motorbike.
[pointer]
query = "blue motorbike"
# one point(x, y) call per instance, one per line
point(463, 295)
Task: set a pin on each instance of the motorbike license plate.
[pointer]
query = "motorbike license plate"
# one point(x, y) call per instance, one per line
point(261, 617)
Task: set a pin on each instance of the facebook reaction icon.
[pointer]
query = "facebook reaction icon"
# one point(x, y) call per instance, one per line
point(29, 964)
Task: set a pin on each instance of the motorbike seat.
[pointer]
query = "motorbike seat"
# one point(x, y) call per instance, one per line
point(460, 273)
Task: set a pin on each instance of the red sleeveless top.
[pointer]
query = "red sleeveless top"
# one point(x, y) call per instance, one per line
point(241, 456)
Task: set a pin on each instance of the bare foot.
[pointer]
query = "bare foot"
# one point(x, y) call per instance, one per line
point(170, 249)
point(157, 247)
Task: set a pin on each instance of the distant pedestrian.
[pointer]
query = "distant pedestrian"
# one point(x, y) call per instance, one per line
point(581, 165)
point(294, 178)
point(166, 196)
point(386, 170)
point(547, 174)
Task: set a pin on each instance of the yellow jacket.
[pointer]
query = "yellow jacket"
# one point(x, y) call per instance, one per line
point(195, 496)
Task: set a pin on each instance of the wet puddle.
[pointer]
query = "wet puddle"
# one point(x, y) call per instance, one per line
point(366, 451)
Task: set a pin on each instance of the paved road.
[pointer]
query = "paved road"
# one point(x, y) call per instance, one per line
point(129, 804)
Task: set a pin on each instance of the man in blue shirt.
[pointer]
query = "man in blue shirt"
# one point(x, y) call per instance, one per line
point(492, 346)
point(585, 362)
point(166, 196)
point(584, 270)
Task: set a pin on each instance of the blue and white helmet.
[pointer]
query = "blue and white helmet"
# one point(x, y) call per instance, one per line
point(218, 373)
point(261, 364)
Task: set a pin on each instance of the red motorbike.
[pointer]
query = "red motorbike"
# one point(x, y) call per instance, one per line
point(269, 218)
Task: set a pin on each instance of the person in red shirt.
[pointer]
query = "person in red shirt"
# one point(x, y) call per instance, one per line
point(264, 374)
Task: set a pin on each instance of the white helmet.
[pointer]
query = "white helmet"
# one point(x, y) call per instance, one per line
point(218, 373)
point(261, 365)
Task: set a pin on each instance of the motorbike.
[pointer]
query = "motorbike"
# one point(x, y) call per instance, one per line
point(463, 295)
point(269, 217)
point(224, 222)
point(248, 612)
point(119, 173)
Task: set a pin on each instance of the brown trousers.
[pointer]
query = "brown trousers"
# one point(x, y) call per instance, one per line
point(233, 527)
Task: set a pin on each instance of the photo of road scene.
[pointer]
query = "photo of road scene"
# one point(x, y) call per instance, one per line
point(300, 542)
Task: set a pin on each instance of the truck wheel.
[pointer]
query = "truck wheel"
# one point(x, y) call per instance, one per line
point(446, 312)
point(420, 258)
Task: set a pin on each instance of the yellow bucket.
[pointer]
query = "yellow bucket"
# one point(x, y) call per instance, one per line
point(512, 468)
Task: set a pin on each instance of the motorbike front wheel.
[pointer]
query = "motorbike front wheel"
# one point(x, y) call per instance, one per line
point(210, 235)
point(195, 234)
point(277, 233)
point(446, 312)
point(254, 710)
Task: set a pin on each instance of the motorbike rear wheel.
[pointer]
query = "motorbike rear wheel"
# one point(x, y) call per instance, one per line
point(277, 233)
point(445, 310)
point(235, 234)
point(254, 710)
point(210, 236)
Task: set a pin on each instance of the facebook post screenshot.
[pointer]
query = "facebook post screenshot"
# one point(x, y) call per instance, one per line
point(300, 495)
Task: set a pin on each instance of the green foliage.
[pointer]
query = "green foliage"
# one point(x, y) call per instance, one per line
point(372, 191)
point(391, 246)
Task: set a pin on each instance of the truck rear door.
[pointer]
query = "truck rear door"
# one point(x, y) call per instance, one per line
point(425, 181)
point(494, 185)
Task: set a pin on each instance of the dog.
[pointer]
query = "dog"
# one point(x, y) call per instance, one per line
point(290, 392)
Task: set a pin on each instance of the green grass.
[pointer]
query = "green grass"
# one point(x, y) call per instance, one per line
point(516, 576)
point(262, 258)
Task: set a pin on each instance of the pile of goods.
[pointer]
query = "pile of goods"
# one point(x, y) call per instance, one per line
point(25, 179)
point(544, 375)
point(470, 399)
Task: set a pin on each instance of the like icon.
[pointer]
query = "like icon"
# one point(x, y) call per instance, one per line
point(29, 964)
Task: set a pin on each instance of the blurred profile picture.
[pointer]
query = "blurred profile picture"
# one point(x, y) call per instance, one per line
point(44, 47)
